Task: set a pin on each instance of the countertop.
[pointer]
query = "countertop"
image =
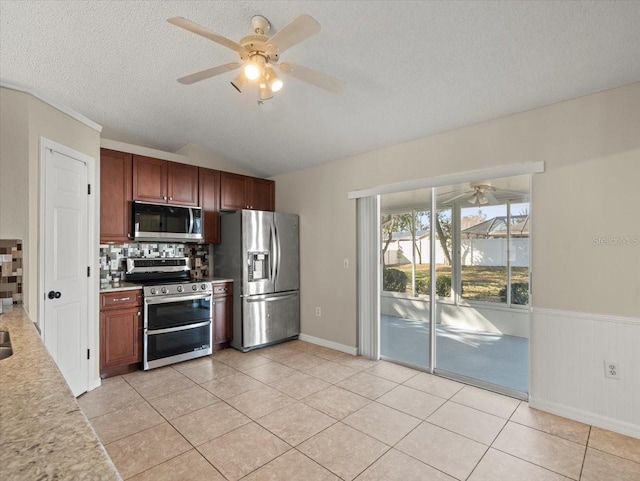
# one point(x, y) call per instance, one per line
point(130, 286)
point(119, 286)
point(43, 433)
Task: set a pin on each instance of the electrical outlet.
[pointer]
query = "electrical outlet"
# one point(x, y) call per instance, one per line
point(318, 312)
point(611, 370)
point(346, 263)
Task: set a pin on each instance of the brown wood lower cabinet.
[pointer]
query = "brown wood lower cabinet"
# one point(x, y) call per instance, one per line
point(120, 332)
point(222, 314)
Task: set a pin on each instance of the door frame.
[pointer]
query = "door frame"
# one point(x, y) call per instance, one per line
point(93, 341)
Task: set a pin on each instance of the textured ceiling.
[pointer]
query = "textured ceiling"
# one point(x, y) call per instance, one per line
point(411, 69)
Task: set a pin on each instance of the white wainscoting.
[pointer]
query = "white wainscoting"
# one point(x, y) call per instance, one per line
point(568, 350)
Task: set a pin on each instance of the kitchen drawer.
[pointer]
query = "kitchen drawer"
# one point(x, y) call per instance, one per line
point(223, 289)
point(120, 299)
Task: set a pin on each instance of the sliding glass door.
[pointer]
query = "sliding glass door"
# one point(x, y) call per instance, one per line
point(473, 239)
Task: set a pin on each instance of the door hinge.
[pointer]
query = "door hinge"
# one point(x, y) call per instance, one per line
point(88, 353)
point(89, 189)
point(88, 271)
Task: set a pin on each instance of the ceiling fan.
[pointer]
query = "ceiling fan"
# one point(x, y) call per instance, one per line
point(259, 53)
point(480, 193)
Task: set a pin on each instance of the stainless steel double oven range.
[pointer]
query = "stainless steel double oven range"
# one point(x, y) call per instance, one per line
point(178, 311)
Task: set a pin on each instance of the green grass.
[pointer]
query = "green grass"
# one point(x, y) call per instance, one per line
point(479, 283)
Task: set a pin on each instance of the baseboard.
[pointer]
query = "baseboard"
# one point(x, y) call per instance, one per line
point(330, 344)
point(586, 417)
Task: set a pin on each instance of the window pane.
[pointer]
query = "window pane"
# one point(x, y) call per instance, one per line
point(519, 253)
point(403, 241)
point(483, 253)
point(444, 244)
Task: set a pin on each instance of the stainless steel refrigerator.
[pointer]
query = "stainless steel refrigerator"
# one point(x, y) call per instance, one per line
point(259, 251)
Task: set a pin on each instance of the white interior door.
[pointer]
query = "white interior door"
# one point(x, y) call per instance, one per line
point(65, 266)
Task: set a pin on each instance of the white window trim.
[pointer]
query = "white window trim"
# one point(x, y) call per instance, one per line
point(461, 178)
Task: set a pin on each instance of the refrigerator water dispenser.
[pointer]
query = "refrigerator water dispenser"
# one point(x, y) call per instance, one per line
point(258, 266)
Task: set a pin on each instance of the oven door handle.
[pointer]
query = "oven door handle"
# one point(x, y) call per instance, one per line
point(176, 329)
point(175, 298)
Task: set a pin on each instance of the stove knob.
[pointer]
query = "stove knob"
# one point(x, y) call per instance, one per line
point(153, 291)
point(164, 290)
point(180, 289)
point(194, 287)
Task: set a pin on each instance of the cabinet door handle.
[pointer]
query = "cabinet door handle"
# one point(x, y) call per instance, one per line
point(170, 198)
point(164, 197)
point(122, 299)
point(138, 313)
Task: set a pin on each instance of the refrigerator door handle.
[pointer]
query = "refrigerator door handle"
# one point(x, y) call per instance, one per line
point(270, 298)
point(275, 255)
point(278, 251)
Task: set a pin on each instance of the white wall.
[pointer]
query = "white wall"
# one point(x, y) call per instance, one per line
point(14, 165)
point(24, 120)
point(203, 157)
point(591, 149)
point(498, 319)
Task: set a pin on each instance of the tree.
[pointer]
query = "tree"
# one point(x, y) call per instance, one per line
point(387, 228)
point(443, 229)
point(408, 221)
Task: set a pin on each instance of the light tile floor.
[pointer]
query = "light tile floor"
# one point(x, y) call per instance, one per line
point(298, 411)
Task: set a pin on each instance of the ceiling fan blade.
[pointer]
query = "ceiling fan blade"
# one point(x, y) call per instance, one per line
point(313, 77)
point(207, 73)
point(204, 32)
point(455, 197)
point(297, 30)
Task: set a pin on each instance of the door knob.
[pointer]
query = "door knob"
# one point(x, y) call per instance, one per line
point(54, 295)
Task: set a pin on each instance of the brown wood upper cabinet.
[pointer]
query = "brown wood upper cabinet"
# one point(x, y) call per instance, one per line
point(242, 192)
point(210, 204)
point(161, 181)
point(115, 196)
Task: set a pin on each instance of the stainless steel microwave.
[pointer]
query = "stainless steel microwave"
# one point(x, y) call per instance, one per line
point(164, 222)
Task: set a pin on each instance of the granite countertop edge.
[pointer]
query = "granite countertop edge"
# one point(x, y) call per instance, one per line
point(43, 432)
point(131, 286)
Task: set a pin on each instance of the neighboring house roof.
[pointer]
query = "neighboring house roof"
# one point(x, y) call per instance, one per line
point(497, 227)
point(406, 235)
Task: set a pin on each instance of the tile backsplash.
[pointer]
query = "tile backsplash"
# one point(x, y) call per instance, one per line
point(113, 257)
point(10, 271)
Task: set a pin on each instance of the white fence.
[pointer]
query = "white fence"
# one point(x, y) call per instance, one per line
point(475, 252)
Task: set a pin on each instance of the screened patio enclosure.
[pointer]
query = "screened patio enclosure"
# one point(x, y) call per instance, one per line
point(480, 250)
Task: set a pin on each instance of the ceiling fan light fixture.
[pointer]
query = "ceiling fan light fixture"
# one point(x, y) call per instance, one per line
point(239, 82)
point(251, 70)
point(275, 84)
point(478, 198)
point(265, 92)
